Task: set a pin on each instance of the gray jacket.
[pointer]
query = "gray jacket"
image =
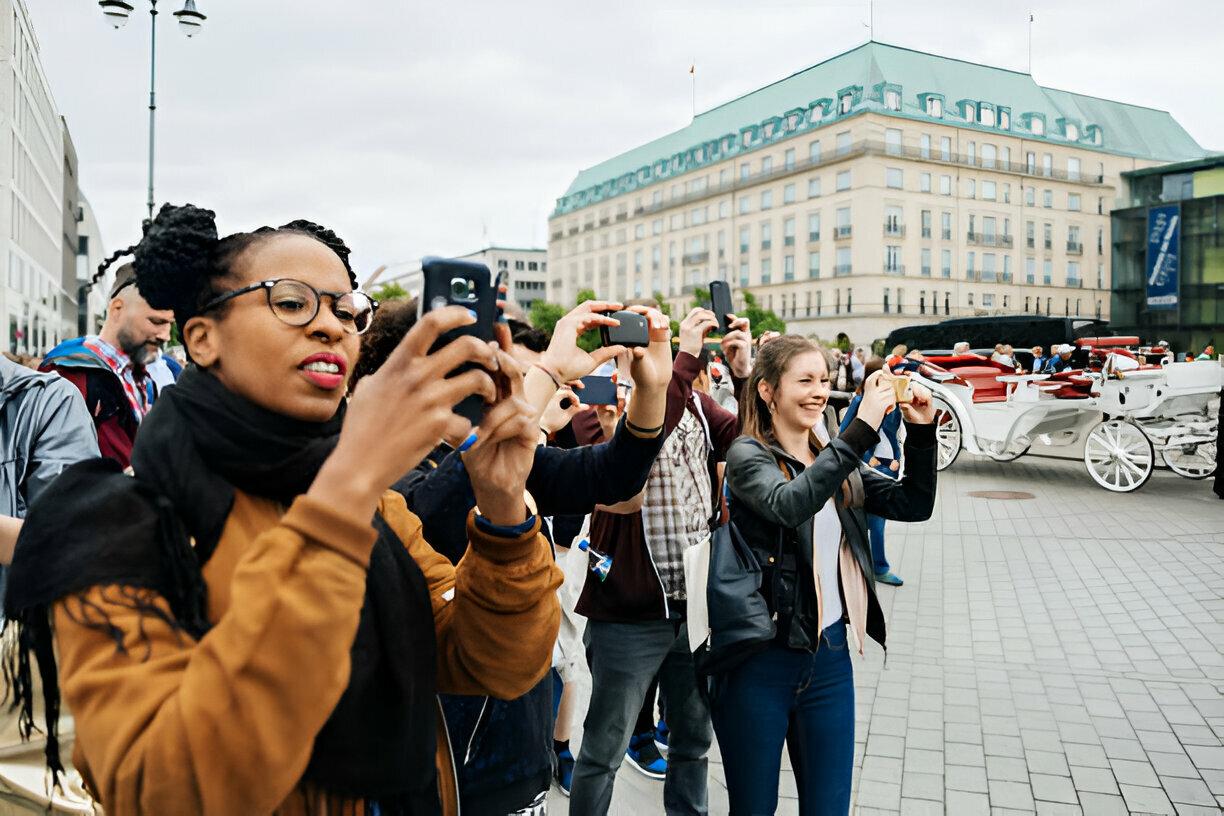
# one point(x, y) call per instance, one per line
point(44, 428)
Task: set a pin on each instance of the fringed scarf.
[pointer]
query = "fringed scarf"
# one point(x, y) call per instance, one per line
point(98, 527)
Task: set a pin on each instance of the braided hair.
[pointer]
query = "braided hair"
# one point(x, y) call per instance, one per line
point(180, 256)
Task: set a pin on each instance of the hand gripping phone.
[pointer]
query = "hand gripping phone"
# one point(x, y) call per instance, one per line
point(720, 303)
point(449, 282)
point(633, 331)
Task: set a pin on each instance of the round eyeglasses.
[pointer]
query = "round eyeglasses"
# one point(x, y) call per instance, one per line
point(297, 303)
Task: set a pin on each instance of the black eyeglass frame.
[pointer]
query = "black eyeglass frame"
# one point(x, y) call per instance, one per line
point(267, 285)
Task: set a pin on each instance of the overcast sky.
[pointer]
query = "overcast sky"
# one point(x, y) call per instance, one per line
point(414, 128)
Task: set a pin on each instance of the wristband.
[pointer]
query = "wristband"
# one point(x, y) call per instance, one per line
point(642, 431)
point(556, 380)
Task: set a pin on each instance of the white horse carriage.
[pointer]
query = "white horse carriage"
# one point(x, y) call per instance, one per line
point(1125, 411)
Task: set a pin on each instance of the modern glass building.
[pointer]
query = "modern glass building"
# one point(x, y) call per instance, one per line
point(1168, 255)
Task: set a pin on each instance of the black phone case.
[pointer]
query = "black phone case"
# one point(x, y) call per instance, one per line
point(633, 331)
point(437, 274)
point(597, 391)
point(720, 303)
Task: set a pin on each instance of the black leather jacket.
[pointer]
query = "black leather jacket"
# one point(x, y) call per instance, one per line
point(774, 515)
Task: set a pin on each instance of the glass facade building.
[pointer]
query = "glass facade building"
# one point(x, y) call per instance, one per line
point(1194, 192)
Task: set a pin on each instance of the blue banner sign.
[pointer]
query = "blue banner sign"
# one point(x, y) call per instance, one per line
point(1163, 249)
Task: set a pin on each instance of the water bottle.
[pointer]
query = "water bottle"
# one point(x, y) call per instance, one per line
point(601, 563)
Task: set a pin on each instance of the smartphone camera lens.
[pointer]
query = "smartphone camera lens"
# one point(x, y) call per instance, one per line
point(460, 290)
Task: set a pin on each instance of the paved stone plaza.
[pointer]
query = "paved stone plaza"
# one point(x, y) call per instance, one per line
point(1057, 655)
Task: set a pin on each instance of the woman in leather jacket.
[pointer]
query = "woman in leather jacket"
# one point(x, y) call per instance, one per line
point(799, 501)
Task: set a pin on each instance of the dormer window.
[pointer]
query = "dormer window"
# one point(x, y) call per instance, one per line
point(1093, 132)
point(986, 114)
point(845, 102)
point(1036, 124)
point(892, 99)
point(1071, 130)
point(1004, 119)
point(934, 106)
point(968, 110)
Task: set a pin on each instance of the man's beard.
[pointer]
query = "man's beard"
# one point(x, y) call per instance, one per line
point(142, 353)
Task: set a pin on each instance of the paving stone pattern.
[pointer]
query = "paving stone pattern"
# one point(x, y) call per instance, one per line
point(1061, 655)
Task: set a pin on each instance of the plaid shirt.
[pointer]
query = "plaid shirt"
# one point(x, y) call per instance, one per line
point(118, 362)
point(677, 506)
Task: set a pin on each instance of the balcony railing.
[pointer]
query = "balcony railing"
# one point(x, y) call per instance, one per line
point(926, 271)
point(1049, 244)
point(894, 229)
point(1075, 283)
point(1006, 277)
point(813, 237)
point(843, 232)
point(946, 234)
point(693, 258)
point(926, 232)
point(1030, 242)
point(841, 270)
point(766, 243)
point(989, 239)
point(789, 240)
point(894, 269)
point(1075, 248)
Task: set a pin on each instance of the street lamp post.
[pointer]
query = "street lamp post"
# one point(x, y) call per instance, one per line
point(116, 12)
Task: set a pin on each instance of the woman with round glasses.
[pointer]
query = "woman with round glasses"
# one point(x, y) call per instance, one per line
point(252, 623)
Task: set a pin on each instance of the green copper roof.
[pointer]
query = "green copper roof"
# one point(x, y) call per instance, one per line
point(809, 99)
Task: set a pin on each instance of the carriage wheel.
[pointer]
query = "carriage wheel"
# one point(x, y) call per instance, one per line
point(947, 434)
point(1119, 456)
point(1015, 450)
point(1192, 461)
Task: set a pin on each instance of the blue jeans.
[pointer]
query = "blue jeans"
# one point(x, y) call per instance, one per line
point(806, 699)
point(875, 528)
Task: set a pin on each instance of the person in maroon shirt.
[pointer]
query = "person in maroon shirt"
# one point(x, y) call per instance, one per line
point(109, 368)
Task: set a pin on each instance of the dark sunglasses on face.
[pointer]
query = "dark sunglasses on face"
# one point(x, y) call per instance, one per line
point(297, 303)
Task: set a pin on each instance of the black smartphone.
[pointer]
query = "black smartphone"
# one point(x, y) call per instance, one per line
point(633, 331)
point(597, 390)
point(447, 282)
point(720, 303)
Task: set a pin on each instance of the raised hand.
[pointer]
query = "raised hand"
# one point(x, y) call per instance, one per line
point(564, 357)
point(737, 346)
point(561, 409)
point(694, 328)
point(921, 409)
point(878, 399)
point(500, 460)
point(402, 411)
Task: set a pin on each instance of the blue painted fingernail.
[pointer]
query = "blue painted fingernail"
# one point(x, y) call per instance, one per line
point(467, 443)
point(472, 312)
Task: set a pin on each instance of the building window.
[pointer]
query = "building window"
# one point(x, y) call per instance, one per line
point(788, 231)
point(766, 199)
point(788, 158)
point(1073, 274)
point(843, 143)
point(924, 146)
point(988, 191)
point(743, 274)
point(922, 302)
point(1073, 168)
point(724, 208)
point(814, 152)
point(843, 222)
point(892, 100)
point(945, 148)
point(989, 272)
point(886, 307)
point(766, 270)
point(892, 141)
point(1030, 270)
point(926, 262)
point(1047, 275)
point(843, 180)
point(926, 223)
point(1047, 165)
point(1047, 198)
point(1071, 131)
point(1047, 231)
point(788, 267)
point(971, 152)
point(1004, 119)
point(989, 155)
point(843, 262)
point(745, 205)
point(1030, 163)
point(947, 303)
point(892, 221)
point(1007, 275)
point(766, 235)
point(987, 301)
point(934, 107)
point(970, 189)
point(849, 300)
point(893, 178)
point(969, 266)
point(1037, 127)
point(745, 171)
point(814, 265)
point(1073, 202)
point(745, 239)
point(970, 297)
point(814, 187)
point(986, 115)
point(892, 259)
point(945, 226)
point(968, 111)
point(1006, 193)
point(766, 165)
point(788, 194)
point(1030, 196)
point(845, 102)
point(945, 263)
point(945, 185)
point(814, 226)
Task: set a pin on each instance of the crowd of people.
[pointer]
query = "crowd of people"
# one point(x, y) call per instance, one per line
point(288, 578)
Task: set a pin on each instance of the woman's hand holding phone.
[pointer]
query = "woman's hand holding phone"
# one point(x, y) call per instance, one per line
point(651, 368)
point(402, 411)
point(879, 398)
point(737, 346)
point(501, 458)
point(561, 409)
point(920, 410)
point(694, 329)
point(564, 357)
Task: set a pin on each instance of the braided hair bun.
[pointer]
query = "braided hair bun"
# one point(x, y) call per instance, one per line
point(176, 259)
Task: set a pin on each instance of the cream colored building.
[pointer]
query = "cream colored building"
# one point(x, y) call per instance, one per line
point(880, 188)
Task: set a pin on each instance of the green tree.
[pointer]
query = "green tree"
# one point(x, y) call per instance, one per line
point(666, 309)
point(701, 298)
point(763, 320)
point(389, 291)
point(544, 315)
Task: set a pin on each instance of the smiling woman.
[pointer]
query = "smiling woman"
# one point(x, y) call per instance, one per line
point(253, 624)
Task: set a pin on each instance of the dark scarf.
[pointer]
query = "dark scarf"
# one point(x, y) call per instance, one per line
point(200, 443)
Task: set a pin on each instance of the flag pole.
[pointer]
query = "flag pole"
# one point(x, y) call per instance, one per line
point(693, 74)
point(1030, 44)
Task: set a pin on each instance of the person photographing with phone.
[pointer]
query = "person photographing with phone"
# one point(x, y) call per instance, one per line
point(884, 457)
point(253, 623)
point(798, 499)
